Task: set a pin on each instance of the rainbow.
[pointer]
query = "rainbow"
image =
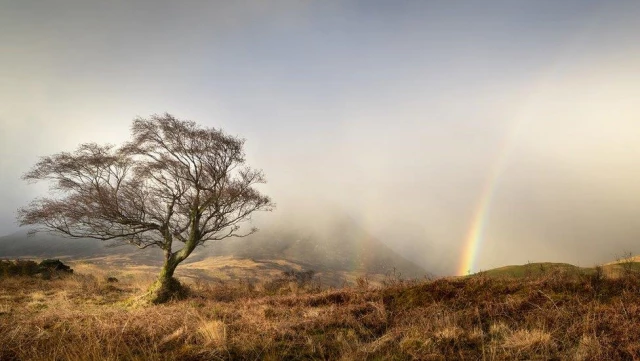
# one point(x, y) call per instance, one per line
point(481, 214)
point(480, 218)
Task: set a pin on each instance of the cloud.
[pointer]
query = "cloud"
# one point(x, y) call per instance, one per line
point(396, 115)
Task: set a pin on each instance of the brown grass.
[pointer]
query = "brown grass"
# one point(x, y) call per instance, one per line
point(83, 317)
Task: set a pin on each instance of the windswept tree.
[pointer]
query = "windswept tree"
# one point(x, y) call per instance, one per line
point(174, 186)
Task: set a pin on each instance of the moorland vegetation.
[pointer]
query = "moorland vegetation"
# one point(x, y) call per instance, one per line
point(578, 314)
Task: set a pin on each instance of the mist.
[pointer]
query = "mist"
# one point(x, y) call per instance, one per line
point(403, 117)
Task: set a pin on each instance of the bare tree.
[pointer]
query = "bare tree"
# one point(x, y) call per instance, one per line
point(174, 183)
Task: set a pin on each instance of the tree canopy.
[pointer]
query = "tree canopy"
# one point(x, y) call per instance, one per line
point(173, 182)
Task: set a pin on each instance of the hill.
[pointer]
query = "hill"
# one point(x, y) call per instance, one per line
point(342, 245)
point(87, 317)
point(615, 269)
point(47, 245)
point(337, 254)
point(532, 270)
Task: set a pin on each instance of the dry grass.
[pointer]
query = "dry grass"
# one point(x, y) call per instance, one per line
point(84, 317)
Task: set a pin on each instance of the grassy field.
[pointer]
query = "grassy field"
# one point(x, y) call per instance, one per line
point(561, 313)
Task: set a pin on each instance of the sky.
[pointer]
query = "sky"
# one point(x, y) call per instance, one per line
point(465, 135)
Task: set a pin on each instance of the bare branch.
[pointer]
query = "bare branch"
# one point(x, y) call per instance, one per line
point(174, 181)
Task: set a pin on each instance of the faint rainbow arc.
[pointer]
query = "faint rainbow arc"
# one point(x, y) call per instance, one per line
point(475, 235)
point(476, 232)
point(481, 215)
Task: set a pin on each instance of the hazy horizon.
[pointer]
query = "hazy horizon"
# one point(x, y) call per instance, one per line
point(468, 135)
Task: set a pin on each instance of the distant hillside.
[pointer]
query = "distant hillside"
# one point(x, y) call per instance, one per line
point(46, 245)
point(342, 248)
point(532, 270)
point(611, 269)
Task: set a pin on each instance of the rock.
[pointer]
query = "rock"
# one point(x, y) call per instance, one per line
point(53, 265)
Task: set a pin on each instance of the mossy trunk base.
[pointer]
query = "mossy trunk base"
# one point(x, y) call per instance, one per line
point(164, 290)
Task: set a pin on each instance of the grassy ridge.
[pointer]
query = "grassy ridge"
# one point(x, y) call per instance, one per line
point(614, 269)
point(557, 314)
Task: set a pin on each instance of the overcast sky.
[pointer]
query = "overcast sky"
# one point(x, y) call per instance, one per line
point(402, 114)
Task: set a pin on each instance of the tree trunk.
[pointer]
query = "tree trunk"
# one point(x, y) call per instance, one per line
point(165, 287)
